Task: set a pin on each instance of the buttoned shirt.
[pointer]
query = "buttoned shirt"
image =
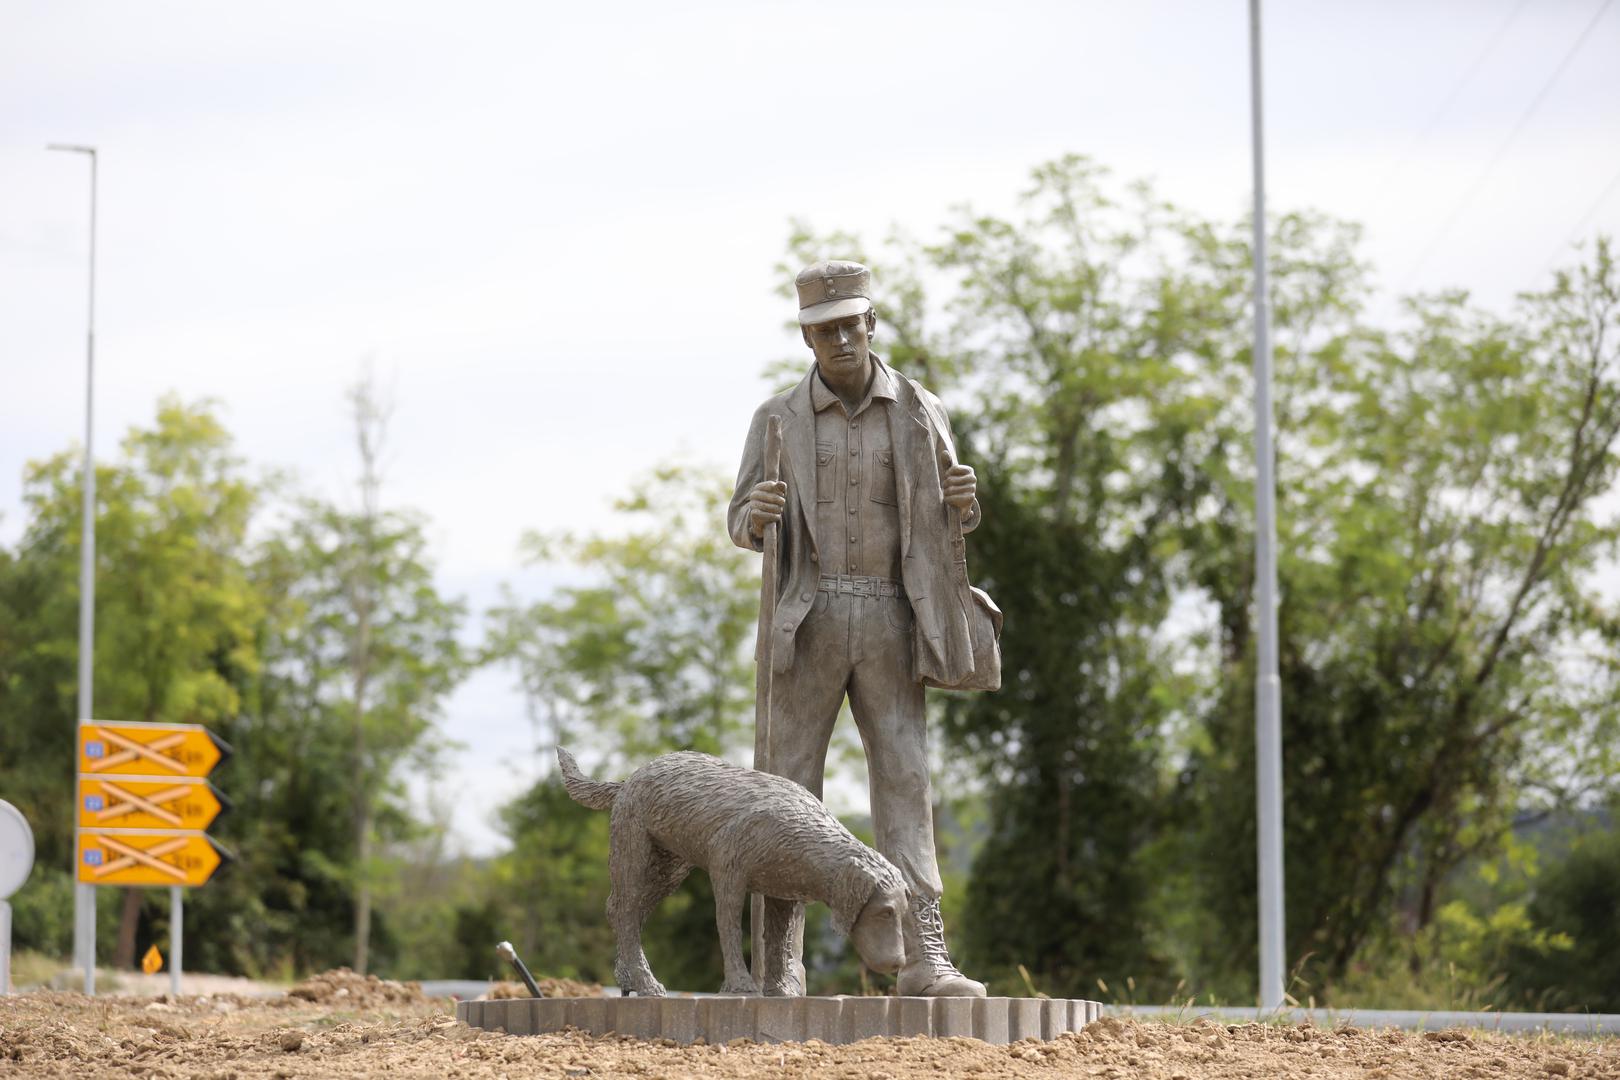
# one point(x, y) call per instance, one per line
point(857, 502)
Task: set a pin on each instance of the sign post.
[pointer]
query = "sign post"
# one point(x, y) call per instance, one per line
point(5, 947)
point(177, 912)
point(143, 803)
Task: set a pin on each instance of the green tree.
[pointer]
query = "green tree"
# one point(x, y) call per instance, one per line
point(1577, 899)
point(370, 649)
point(552, 886)
point(1439, 527)
point(651, 649)
point(260, 642)
point(1064, 361)
point(322, 830)
point(648, 653)
point(176, 610)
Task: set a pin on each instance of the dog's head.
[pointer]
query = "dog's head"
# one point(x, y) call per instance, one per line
point(871, 911)
point(877, 934)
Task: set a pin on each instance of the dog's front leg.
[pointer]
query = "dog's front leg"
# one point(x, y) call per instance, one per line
point(730, 888)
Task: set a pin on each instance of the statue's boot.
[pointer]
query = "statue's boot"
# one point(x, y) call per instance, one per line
point(929, 971)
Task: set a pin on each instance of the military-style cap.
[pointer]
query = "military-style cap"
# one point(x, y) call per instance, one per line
point(832, 290)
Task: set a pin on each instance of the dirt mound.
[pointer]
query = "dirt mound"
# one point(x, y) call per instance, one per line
point(46, 1036)
point(552, 988)
point(342, 987)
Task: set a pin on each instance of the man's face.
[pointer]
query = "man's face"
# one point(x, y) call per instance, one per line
point(842, 346)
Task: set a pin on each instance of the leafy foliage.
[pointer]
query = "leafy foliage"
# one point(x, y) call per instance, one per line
point(1450, 661)
point(176, 611)
point(198, 624)
point(371, 647)
point(1439, 523)
point(1575, 906)
point(1444, 662)
point(651, 651)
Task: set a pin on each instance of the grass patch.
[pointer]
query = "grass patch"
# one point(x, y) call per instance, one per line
point(31, 970)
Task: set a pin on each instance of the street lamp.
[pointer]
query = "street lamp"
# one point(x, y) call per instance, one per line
point(84, 896)
point(1267, 686)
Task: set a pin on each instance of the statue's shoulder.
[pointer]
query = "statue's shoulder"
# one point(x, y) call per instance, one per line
point(775, 403)
point(781, 401)
point(926, 398)
point(904, 382)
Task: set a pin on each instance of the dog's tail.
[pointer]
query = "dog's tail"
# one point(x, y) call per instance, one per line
point(595, 794)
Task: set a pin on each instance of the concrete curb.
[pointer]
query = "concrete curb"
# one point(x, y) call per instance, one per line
point(1590, 1025)
point(716, 1019)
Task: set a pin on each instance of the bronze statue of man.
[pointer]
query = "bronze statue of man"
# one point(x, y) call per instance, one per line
point(872, 597)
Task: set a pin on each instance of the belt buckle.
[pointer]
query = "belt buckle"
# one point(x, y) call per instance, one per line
point(865, 586)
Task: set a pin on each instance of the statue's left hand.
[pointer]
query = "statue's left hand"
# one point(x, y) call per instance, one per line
point(960, 487)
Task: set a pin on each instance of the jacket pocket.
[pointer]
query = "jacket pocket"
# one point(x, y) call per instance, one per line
point(826, 472)
point(880, 478)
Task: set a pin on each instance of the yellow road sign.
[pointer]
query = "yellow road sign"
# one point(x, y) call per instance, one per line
point(115, 802)
point(148, 749)
point(147, 858)
point(152, 962)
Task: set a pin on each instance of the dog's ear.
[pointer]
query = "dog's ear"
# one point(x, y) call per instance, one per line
point(855, 888)
point(844, 919)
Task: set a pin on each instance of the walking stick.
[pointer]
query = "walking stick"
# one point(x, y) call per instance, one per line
point(958, 541)
point(763, 667)
point(767, 603)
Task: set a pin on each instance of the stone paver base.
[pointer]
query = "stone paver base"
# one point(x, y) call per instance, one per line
point(776, 1019)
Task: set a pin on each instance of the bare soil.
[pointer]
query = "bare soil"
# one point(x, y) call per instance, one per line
point(563, 988)
point(227, 1037)
point(342, 988)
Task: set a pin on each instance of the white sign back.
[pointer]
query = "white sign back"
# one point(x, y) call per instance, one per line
point(16, 849)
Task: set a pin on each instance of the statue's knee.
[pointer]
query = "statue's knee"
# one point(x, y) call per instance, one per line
point(903, 784)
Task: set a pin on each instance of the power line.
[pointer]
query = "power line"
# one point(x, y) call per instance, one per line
point(1580, 226)
point(1448, 101)
point(1461, 205)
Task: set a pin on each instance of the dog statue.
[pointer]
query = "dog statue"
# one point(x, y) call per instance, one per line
point(754, 833)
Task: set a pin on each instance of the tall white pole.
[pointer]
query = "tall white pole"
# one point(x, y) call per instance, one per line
point(1268, 689)
point(84, 896)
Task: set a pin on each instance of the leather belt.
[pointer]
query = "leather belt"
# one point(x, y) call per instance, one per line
point(859, 585)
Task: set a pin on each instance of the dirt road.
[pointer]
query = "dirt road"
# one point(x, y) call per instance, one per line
point(347, 1028)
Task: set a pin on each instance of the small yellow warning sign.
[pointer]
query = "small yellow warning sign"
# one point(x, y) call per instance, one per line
point(152, 962)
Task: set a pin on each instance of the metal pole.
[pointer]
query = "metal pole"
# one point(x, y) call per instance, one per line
point(177, 918)
point(84, 896)
point(1268, 689)
point(5, 947)
point(505, 951)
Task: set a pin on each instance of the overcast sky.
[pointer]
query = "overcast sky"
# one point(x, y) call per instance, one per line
point(553, 226)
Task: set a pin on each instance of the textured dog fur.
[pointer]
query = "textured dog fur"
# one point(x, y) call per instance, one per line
point(754, 833)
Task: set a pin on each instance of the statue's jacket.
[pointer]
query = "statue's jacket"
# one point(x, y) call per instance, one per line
point(932, 567)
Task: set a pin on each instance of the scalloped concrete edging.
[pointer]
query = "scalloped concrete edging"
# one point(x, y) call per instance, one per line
point(719, 1019)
